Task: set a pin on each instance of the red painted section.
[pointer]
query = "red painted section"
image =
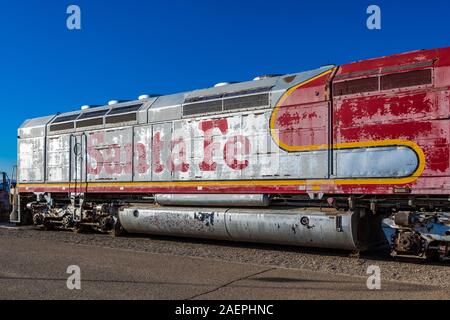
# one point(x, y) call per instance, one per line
point(156, 153)
point(235, 148)
point(95, 154)
point(363, 109)
point(417, 113)
point(408, 130)
point(438, 156)
point(210, 146)
point(409, 58)
point(178, 159)
point(302, 118)
point(303, 125)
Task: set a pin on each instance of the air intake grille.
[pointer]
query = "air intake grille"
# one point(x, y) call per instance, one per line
point(228, 104)
point(406, 79)
point(121, 118)
point(89, 122)
point(356, 86)
point(258, 100)
point(228, 94)
point(202, 107)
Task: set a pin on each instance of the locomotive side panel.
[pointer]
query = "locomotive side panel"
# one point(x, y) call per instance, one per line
point(161, 136)
point(110, 154)
point(31, 161)
point(142, 153)
point(58, 158)
point(400, 99)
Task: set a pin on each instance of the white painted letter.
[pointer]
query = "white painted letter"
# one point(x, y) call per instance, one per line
point(74, 20)
point(374, 281)
point(74, 280)
point(374, 20)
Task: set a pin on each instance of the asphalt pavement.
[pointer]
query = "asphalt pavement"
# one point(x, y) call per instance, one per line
point(37, 269)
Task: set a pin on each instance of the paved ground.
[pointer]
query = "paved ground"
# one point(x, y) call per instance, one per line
point(35, 268)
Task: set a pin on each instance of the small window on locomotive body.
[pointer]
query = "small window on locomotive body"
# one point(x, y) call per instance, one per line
point(125, 109)
point(67, 118)
point(63, 122)
point(93, 114)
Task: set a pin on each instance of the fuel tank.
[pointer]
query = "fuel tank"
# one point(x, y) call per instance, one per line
point(300, 227)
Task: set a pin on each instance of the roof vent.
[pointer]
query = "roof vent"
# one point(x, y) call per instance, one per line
point(113, 102)
point(266, 76)
point(85, 107)
point(222, 84)
point(148, 96)
point(143, 97)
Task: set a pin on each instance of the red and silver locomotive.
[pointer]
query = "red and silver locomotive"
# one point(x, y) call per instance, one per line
point(316, 158)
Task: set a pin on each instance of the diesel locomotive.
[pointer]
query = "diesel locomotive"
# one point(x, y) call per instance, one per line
point(345, 157)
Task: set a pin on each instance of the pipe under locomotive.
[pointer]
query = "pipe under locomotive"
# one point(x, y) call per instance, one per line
point(345, 157)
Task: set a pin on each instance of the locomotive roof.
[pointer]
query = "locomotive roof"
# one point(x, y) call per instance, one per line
point(170, 104)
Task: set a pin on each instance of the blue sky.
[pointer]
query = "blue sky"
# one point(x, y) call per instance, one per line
point(128, 48)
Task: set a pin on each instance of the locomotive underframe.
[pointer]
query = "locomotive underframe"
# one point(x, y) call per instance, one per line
point(414, 226)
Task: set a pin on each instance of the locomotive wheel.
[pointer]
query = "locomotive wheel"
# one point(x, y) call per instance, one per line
point(118, 230)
